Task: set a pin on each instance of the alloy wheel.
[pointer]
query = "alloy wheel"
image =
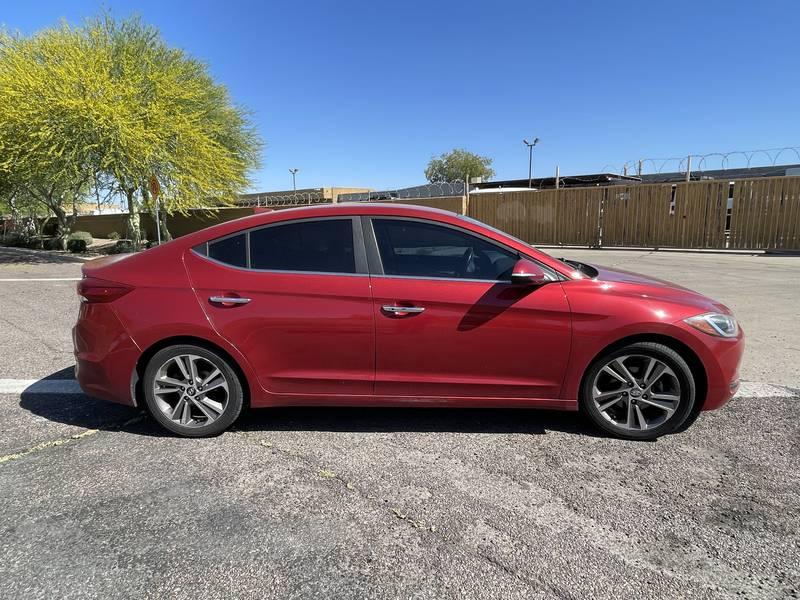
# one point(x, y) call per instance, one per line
point(190, 390)
point(636, 392)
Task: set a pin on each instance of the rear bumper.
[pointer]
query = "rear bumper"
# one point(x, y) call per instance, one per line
point(105, 355)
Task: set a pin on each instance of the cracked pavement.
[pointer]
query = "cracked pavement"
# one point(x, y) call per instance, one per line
point(96, 501)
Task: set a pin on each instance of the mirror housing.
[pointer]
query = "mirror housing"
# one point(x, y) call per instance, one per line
point(527, 272)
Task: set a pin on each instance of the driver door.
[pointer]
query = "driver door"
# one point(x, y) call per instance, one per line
point(451, 326)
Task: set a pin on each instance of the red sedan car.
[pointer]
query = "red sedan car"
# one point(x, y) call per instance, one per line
point(393, 305)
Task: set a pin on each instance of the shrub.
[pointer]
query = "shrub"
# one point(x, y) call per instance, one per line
point(81, 235)
point(114, 235)
point(51, 243)
point(121, 247)
point(15, 240)
point(76, 244)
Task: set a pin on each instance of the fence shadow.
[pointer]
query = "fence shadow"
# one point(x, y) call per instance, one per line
point(23, 256)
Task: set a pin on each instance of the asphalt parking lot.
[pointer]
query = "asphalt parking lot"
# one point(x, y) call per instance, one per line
point(97, 501)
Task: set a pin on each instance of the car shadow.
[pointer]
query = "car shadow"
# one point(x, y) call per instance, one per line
point(79, 410)
point(415, 420)
point(494, 302)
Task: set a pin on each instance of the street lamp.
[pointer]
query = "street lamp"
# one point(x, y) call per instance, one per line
point(294, 184)
point(530, 146)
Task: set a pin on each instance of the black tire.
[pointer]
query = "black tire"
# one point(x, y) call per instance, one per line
point(235, 394)
point(682, 413)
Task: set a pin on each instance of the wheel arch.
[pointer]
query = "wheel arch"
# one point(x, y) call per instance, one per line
point(150, 351)
point(689, 355)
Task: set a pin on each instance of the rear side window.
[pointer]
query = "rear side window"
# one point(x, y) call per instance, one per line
point(230, 250)
point(324, 246)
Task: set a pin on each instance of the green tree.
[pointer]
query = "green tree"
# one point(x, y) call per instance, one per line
point(457, 165)
point(112, 99)
point(175, 123)
point(44, 152)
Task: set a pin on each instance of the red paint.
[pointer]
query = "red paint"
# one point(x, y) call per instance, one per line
point(326, 339)
point(301, 333)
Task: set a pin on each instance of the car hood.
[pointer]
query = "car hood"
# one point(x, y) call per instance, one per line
point(657, 289)
point(611, 274)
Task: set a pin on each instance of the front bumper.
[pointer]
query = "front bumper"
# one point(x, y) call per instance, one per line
point(722, 359)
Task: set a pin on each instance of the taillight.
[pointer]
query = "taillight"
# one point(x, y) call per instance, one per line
point(98, 290)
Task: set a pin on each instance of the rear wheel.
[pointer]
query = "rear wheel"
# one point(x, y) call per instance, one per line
point(192, 391)
point(639, 392)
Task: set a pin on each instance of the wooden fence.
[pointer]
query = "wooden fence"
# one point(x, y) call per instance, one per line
point(688, 215)
point(766, 214)
point(568, 217)
point(452, 203)
point(102, 226)
point(752, 214)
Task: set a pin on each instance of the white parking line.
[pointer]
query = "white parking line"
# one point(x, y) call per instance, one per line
point(39, 386)
point(42, 279)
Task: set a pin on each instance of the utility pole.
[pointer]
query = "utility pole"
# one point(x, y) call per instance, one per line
point(530, 146)
point(558, 175)
point(465, 197)
point(294, 184)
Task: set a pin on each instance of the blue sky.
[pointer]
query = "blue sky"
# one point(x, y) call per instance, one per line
point(364, 93)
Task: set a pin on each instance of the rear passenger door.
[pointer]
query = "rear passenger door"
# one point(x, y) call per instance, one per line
point(294, 297)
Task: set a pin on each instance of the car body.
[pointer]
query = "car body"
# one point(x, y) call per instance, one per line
point(303, 322)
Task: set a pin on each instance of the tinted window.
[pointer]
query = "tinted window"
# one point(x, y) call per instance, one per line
point(231, 250)
point(417, 249)
point(324, 246)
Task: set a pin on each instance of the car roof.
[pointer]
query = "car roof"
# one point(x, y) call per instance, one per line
point(319, 210)
point(364, 208)
point(361, 208)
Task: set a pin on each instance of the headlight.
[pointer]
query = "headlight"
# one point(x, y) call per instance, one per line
point(715, 324)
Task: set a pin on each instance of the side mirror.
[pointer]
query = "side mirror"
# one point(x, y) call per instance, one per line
point(527, 272)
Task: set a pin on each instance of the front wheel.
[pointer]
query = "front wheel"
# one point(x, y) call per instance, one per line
point(639, 392)
point(192, 391)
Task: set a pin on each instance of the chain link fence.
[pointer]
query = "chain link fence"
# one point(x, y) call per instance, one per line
point(429, 190)
point(270, 199)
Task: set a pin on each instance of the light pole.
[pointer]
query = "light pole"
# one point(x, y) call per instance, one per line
point(294, 184)
point(530, 146)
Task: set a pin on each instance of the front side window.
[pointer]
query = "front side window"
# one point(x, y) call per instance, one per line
point(417, 249)
point(324, 246)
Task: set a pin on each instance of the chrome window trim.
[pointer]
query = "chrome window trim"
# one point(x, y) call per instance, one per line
point(451, 279)
point(359, 255)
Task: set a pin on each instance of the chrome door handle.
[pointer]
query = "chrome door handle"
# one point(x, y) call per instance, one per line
point(403, 309)
point(228, 300)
